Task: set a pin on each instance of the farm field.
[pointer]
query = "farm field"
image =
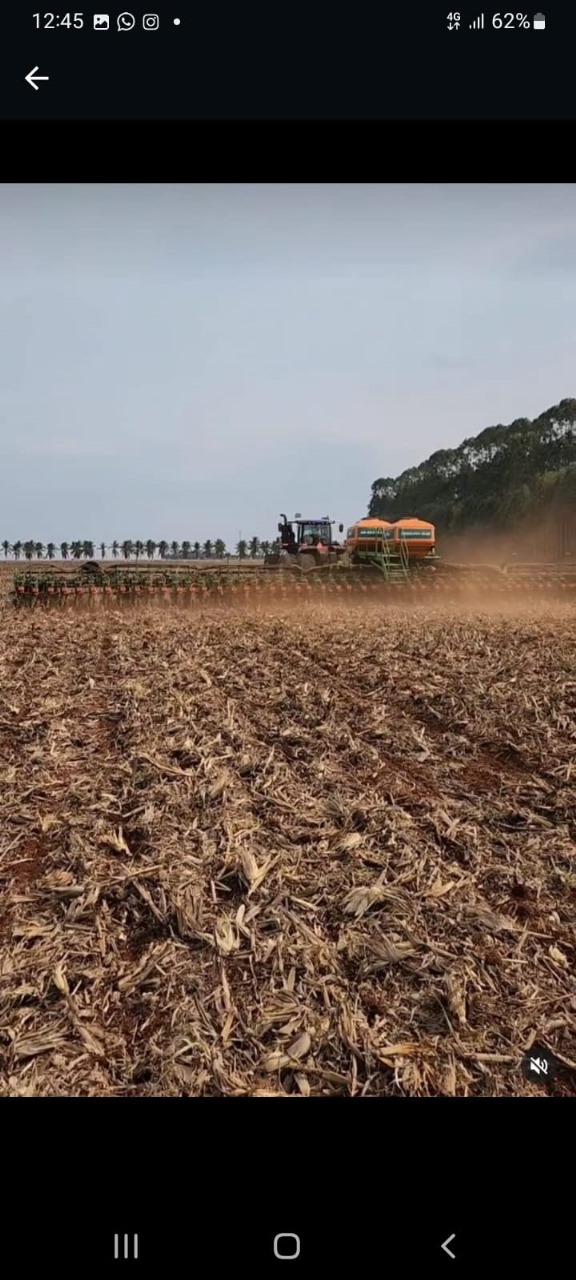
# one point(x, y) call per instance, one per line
point(289, 853)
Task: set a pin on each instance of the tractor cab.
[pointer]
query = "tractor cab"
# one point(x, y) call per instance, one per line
point(312, 533)
point(300, 535)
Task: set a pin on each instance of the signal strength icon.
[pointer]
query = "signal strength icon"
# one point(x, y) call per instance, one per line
point(477, 24)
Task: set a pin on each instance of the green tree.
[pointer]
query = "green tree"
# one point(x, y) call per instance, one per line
point(139, 548)
point(88, 550)
point(175, 548)
point(115, 548)
point(254, 548)
point(492, 481)
point(77, 549)
point(242, 549)
point(64, 549)
point(17, 549)
point(6, 546)
point(51, 550)
point(197, 550)
point(103, 550)
point(219, 548)
point(163, 549)
point(127, 548)
point(207, 549)
point(150, 548)
point(187, 550)
point(29, 550)
point(38, 550)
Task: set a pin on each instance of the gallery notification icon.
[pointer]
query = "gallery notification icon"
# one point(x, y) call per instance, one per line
point(101, 21)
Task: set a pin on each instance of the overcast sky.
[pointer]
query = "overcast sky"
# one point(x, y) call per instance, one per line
point(188, 361)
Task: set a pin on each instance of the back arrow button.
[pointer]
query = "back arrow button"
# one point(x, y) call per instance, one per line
point(446, 1243)
point(32, 78)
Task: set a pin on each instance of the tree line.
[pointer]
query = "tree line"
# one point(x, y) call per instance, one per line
point(501, 477)
point(497, 479)
point(135, 550)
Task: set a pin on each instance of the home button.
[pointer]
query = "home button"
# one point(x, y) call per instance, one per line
point(287, 1246)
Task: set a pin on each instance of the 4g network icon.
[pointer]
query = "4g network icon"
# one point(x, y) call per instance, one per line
point(453, 21)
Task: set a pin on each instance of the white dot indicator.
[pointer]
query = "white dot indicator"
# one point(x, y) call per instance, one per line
point(176, 22)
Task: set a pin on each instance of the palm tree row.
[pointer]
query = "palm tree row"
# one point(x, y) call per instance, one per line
point(138, 550)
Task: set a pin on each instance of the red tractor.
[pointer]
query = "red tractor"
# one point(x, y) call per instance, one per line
point(307, 544)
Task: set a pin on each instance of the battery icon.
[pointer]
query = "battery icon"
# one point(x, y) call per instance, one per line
point(539, 22)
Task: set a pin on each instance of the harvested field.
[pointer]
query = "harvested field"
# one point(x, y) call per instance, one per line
point(294, 853)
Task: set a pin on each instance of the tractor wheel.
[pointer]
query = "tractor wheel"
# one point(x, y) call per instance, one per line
point(307, 561)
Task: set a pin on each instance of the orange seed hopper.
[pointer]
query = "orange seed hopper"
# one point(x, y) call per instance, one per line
point(367, 535)
point(418, 536)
